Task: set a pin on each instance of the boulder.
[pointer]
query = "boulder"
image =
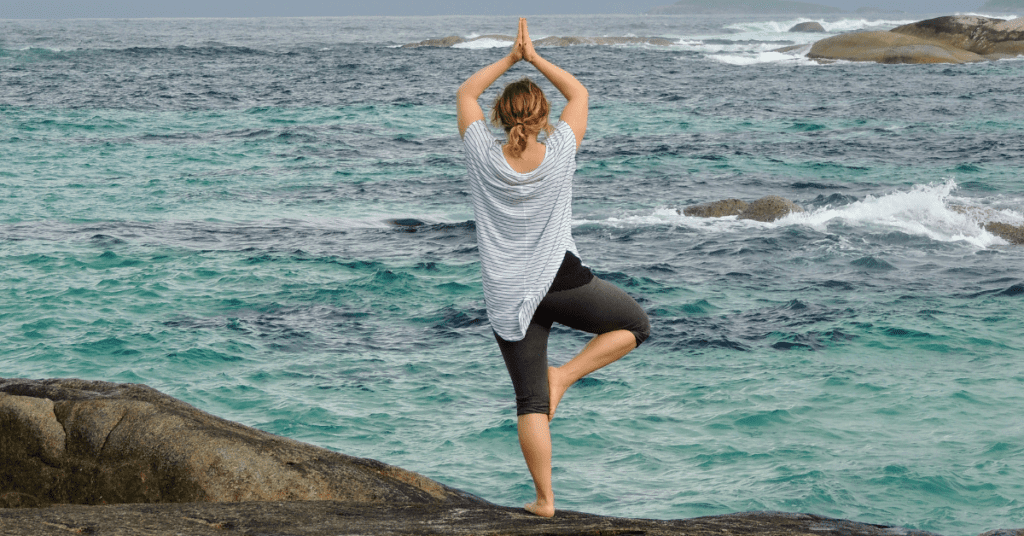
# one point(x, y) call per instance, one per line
point(889, 47)
point(980, 35)
point(717, 209)
point(769, 208)
point(75, 441)
point(809, 27)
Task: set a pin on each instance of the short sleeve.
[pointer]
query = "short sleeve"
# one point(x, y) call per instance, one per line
point(563, 138)
point(478, 140)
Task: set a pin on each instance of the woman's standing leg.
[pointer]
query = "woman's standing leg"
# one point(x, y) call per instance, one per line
point(527, 363)
point(535, 442)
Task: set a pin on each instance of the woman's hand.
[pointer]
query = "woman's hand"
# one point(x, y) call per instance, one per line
point(524, 43)
point(516, 53)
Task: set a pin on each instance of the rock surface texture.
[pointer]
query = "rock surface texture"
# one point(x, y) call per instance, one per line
point(952, 39)
point(74, 441)
point(769, 208)
point(716, 209)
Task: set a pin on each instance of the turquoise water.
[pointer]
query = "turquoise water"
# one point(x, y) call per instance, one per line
point(268, 219)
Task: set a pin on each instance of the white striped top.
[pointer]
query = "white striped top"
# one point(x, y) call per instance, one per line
point(523, 224)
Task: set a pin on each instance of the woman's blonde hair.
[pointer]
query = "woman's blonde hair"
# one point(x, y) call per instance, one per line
point(522, 111)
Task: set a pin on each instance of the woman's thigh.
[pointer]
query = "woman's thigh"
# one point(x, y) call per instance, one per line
point(597, 307)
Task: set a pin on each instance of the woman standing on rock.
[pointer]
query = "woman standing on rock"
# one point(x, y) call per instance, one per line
point(532, 274)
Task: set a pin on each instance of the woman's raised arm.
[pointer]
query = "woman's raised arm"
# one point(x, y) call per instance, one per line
point(468, 108)
point(575, 111)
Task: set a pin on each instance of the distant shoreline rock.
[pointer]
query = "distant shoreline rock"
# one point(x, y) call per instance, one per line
point(68, 447)
point(552, 41)
point(950, 39)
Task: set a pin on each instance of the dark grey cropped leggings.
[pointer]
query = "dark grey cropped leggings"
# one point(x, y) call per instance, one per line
point(597, 307)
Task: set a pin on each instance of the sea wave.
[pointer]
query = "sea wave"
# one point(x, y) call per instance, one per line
point(838, 26)
point(926, 210)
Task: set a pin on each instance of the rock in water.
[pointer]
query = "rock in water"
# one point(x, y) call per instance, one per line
point(808, 27)
point(769, 208)
point(85, 442)
point(1013, 234)
point(980, 35)
point(889, 47)
point(717, 209)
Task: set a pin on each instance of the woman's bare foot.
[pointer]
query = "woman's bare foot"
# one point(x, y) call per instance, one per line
point(541, 509)
point(558, 384)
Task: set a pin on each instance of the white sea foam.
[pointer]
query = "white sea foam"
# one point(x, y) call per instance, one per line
point(795, 57)
point(486, 42)
point(924, 210)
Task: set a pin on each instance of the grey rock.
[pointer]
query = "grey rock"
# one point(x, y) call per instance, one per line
point(980, 35)
point(808, 27)
point(716, 209)
point(889, 47)
point(33, 421)
point(769, 208)
point(74, 441)
point(322, 518)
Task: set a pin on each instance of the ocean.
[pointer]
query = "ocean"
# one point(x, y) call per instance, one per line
point(269, 219)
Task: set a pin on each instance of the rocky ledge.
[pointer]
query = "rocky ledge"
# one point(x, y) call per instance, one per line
point(951, 39)
point(88, 457)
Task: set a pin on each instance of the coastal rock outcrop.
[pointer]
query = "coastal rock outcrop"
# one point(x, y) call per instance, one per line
point(85, 442)
point(888, 47)
point(75, 441)
point(981, 35)
point(808, 27)
point(951, 39)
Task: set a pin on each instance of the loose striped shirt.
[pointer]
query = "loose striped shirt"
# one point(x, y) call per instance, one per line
point(523, 224)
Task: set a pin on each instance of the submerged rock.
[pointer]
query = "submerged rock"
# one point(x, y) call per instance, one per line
point(75, 441)
point(809, 27)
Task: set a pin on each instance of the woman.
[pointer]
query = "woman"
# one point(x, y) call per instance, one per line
point(532, 274)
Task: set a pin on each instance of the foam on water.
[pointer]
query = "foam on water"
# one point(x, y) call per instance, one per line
point(924, 210)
